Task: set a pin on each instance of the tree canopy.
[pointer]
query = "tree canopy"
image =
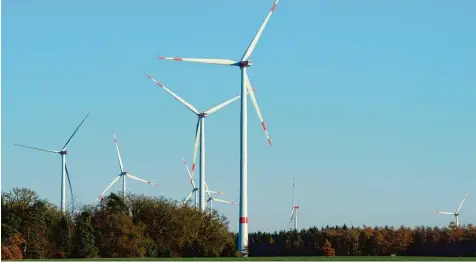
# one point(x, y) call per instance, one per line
point(142, 226)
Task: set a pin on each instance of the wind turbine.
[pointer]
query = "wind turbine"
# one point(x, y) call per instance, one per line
point(209, 192)
point(211, 199)
point(456, 214)
point(64, 169)
point(295, 208)
point(122, 175)
point(200, 133)
point(194, 188)
point(243, 64)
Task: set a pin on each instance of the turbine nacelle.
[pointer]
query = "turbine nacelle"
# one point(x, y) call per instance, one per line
point(246, 63)
point(202, 115)
point(63, 152)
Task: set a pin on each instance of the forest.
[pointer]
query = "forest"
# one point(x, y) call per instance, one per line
point(143, 226)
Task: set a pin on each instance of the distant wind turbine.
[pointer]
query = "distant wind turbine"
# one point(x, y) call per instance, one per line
point(456, 214)
point(64, 168)
point(294, 211)
point(194, 188)
point(208, 191)
point(122, 175)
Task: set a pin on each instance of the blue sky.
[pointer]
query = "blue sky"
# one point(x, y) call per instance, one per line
point(370, 104)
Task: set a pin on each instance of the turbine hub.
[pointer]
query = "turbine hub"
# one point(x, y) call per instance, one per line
point(64, 152)
point(202, 115)
point(246, 63)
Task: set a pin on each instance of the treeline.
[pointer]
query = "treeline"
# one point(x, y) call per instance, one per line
point(138, 227)
point(144, 226)
point(367, 241)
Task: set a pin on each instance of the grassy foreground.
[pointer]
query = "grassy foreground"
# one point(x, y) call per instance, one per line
point(319, 258)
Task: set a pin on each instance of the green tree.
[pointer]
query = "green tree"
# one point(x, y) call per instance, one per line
point(83, 237)
point(65, 237)
point(116, 233)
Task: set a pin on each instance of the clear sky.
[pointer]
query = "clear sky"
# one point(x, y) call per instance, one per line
point(370, 104)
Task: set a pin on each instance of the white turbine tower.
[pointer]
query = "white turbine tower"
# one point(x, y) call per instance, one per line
point(243, 64)
point(64, 169)
point(194, 188)
point(209, 192)
point(456, 214)
point(200, 133)
point(122, 175)
point(295, 208)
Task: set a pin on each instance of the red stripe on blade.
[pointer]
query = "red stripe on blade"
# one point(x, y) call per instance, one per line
point(177, 59)
point(263, 125)
point(243, 220)
point(161, 57)
point(193, 167)
point(269, 141)
point(272, 8)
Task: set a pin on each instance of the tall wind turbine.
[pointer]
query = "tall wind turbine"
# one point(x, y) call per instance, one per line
point(456, 214)
point(122, 175)
point(64, 169)
point(243, 64)
point(200, 133)
point(295, 208)
point(194, 188)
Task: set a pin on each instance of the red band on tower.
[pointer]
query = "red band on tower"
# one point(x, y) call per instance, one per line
point(243, 220)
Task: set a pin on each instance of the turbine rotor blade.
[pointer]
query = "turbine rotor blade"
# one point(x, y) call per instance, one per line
point(195, 147)
point(188, 197)
point(118, 153)
point(207, 191)
point(185, 103)
point(45, 150)
point(109, 186)
point(141, 180)
point(255, 104)
point(218, 107)
point(292, 215)
point(224, 201)
point(253, 43)
point(70, 187)
point(444, 213)
point(461, 205)
point(76, 130)
point(214, 192)
point(189, 174)
point(201, 60)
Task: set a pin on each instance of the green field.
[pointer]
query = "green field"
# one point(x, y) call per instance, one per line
point(320, 258)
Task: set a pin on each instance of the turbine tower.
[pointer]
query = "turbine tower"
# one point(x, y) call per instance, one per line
point(294, 211)
point(456, 214)
point(64, 169)
point(243, 64)
point(200, 133)
point(122, 175)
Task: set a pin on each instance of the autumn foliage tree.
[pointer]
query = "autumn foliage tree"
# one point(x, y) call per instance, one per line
point(327, 249)
point(12, 248)
point(142, 226)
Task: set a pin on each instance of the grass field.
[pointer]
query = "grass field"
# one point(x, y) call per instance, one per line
point(348, 258)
